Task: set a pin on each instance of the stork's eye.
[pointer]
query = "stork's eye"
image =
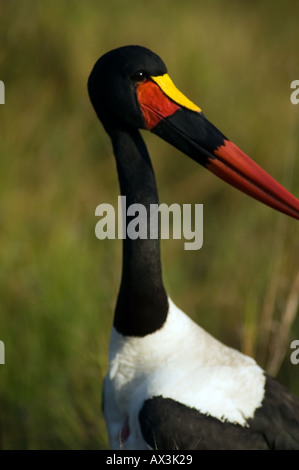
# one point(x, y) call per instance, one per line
point(139, 76)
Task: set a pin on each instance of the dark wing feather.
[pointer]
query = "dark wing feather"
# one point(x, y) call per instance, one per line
point(168, 425)
point(278, 417)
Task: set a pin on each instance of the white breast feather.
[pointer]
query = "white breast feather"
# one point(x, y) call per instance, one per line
point(183, 362)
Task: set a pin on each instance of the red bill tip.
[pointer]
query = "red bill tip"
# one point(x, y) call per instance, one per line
point(235, 167)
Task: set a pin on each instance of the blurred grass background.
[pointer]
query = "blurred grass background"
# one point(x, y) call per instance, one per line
point(58, 282)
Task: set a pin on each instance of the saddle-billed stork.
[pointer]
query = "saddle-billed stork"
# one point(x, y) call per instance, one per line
point(170, 385)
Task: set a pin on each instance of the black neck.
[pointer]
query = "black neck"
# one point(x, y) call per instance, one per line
point(142, 301)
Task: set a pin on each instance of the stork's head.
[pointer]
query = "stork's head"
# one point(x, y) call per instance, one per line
point(130, 89)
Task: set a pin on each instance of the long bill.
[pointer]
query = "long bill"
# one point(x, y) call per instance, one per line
point(172, 116)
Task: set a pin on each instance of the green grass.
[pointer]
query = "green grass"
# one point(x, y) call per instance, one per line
point(58, 282)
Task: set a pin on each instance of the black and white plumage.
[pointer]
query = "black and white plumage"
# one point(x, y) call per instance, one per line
point(170, 384)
